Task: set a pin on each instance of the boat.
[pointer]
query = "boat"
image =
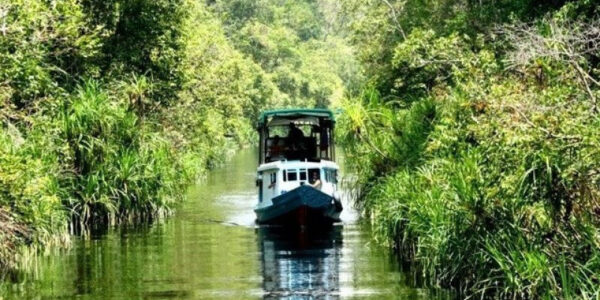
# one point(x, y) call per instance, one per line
point(297, 177)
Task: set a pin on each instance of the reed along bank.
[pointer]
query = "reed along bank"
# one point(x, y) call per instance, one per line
point(475, 142)
point(110, 109)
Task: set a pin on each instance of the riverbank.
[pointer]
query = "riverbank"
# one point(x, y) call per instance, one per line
point(210, 248)
point(110, 109)
point(98, 129)
point(477, 156)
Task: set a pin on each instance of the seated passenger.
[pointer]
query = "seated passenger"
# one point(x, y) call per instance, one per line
point(315, 181)
point(295, 135)
point(295, 140)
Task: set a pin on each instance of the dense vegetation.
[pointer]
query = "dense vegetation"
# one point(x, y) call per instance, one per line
point(476, 141)
point(108, 109)
point(473, 126)
point(297, 44)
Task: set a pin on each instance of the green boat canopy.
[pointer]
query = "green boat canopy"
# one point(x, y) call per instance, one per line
point(293, 114)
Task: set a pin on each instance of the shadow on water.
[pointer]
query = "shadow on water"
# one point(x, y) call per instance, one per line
point(211, 249)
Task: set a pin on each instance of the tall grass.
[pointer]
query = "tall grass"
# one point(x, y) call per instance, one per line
point(89, 160)
point(108, 111)
point(487, 195)
point(120, 169)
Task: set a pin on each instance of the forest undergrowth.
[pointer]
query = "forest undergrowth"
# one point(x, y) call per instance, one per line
point(476, 142)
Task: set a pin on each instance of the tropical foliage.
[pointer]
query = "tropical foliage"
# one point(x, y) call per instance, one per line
point(472, 126)
point(476, 141)
point(108, 109)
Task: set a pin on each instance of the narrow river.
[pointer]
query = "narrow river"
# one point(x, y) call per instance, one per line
point(211, 249)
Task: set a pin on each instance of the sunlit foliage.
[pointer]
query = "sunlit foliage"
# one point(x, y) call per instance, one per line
point(475, 142)
point(109, 109)
point(309, 63)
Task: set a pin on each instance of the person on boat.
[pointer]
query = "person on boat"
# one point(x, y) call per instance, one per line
point(295, 140)
point(295, 134)
point(315, 181)
point(276, 149)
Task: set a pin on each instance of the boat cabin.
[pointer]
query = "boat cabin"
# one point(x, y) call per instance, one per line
point(296, 134)
point(297, 162)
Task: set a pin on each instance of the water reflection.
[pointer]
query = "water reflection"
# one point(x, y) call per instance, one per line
point(211, 249)
point(298, 264)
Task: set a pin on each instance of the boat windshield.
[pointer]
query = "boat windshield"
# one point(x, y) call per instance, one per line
point(297, 138)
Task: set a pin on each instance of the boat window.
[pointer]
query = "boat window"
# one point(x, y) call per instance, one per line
point(303, 174)
point(273, 177)
point(313, 173)
point(281, 131)
point(284, 175)
point(331, 175)
point(292, 175)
